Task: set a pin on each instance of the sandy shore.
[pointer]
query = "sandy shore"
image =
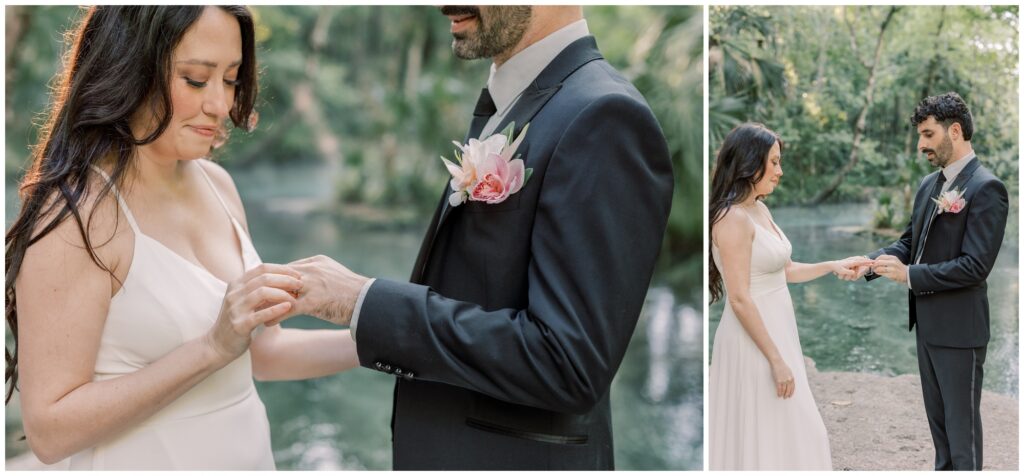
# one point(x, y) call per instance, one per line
point(879, 423)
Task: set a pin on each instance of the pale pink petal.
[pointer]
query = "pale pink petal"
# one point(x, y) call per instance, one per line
point(456, 199)
point(516, 172)
point(494, 144)
point(500, 166)
point(488, 165)
point(453, 169)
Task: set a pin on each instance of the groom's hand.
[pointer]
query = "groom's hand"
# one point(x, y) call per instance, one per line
point(329, 290)
point(891, 267)
point(860, 265)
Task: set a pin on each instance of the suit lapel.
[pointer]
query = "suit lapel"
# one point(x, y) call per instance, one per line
point(928, 217)
point(533, 99)
point(965, 174)
point(923, 214)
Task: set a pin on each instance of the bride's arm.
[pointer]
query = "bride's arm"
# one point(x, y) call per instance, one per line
point(803, 272)
point(288, 354)
point(62, 301)
point(296, 354)
point(734, 235)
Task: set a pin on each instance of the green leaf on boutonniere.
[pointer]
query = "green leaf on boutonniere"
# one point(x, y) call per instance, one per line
point(507, 132)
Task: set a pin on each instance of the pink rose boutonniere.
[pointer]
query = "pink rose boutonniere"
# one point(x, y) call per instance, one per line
point(487, 170)
point(950, 201)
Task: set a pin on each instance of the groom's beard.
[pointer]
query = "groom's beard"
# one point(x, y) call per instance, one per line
point(497, 31)
point(942, 155)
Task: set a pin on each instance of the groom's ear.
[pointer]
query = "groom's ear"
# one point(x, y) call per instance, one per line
point(956, 131)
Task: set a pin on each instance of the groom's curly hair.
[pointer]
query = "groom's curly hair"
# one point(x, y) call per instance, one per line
point(947, 109)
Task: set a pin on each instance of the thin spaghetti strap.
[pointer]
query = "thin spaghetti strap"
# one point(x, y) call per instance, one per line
point(215, 192)
point(120, 200)
point(747, 214)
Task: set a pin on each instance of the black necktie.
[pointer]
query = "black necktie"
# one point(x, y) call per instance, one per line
point(483, 111)
point(485, 108)
point(936, 190)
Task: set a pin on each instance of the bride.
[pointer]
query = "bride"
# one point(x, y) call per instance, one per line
point(133, 289)
point(762, 413)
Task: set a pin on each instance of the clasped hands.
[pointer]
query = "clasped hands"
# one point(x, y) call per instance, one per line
point(888, 266)
point(271, 293)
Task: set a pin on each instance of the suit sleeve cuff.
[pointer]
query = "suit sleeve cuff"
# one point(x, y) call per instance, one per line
point(359, 305)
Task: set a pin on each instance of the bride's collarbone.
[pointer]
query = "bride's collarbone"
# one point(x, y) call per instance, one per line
point(202, 234)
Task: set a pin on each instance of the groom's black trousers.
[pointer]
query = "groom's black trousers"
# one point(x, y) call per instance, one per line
point(951, 383)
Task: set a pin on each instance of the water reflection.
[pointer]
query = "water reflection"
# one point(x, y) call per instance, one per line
point(673, 333)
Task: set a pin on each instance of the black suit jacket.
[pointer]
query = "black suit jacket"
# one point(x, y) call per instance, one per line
point(519, 313)
point(949, 298)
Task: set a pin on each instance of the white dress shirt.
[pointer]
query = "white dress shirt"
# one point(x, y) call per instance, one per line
point(506, 84)
point(951, 171)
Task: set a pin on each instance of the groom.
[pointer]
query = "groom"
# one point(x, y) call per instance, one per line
point(506, 341)
point(944, 257)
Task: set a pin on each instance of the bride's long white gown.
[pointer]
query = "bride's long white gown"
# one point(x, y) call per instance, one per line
point(166, 300)
point(750, 427)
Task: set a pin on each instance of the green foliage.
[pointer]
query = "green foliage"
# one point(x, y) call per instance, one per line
point(796, 69)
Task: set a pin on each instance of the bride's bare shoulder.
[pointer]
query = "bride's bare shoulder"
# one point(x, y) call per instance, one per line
point(61, 249)
point(733, 224)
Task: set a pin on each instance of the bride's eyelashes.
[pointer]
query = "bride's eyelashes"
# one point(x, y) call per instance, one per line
point(202, 84)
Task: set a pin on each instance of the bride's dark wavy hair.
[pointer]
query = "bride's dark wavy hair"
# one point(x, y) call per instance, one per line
point(740, 164)
point(118, 60)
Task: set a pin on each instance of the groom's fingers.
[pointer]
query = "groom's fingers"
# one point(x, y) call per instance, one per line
point(270, 268)
point(280, 281)
point(311, 259)
point(887, 259)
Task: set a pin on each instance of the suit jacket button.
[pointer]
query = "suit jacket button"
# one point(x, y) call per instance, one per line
point(409, 375)
point(379, 365)
point(398, 371)
point(387, 368)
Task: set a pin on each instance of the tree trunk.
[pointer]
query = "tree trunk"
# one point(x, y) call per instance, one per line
point(823, 42)
point(308, 107)
point(858, 130)
point(414, 63)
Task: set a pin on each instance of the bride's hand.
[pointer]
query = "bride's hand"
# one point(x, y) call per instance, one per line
point(851, 268)
point(785, 385)
point(263, 294)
